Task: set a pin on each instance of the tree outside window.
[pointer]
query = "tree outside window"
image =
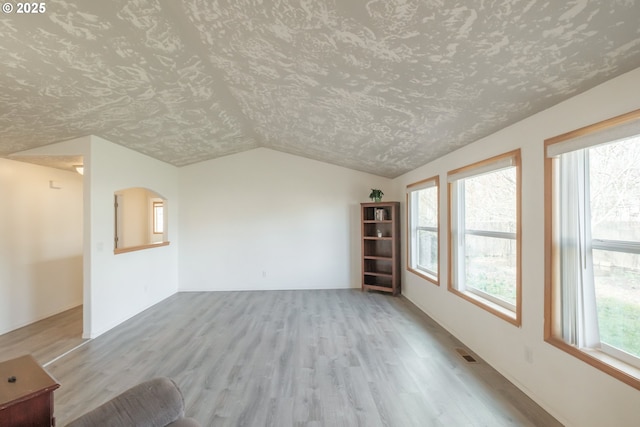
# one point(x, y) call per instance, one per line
point(592, 292)
point(484, 234)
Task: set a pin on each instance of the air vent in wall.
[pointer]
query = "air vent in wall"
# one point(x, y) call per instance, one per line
point(465, 355)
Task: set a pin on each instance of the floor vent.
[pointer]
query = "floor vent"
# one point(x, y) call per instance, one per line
point(465, 355)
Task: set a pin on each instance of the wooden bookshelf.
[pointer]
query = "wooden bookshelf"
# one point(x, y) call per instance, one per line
point(381, 246)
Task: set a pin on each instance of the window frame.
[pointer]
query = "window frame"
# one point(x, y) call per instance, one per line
point(601, 359)
point(431, 182)
point(154, 206)
point(143, 222)
point(488, 302)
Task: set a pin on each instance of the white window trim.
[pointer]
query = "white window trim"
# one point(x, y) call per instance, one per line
point(616, 246)
point(606, 358)
point(488, 166)
point(459, 250)
point(412, 229)
point(586, 139)
point(503, 309)
point(414, 263)
point(623, 247)
point(622, 355)
point(492, 299)
point(155, 226)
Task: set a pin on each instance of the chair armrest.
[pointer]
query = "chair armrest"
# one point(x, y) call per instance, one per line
point(154, 403)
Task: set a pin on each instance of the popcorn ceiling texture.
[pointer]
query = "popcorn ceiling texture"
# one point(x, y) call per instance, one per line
point(381, 86)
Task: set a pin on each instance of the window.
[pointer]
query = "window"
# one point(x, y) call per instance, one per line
point(158, 217)
point(484, 234)
point(140, 220)
point(423, 230)
point(592, 294)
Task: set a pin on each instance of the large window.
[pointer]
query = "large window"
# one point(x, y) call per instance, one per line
point(484, 234)
point(593, 245)
point(423, 228)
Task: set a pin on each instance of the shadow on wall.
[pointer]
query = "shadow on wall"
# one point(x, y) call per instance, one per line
point(56, 286)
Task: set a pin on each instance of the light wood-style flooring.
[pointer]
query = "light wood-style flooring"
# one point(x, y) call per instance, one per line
point(282, 358)
point(45, 340)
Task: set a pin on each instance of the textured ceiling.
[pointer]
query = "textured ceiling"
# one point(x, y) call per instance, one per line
point(381, 86)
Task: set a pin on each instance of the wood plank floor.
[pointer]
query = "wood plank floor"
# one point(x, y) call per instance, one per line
point(294, 358)
point(45, 340)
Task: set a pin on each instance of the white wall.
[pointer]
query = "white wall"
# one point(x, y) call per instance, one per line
point(268, 220)
point(40, 243)
point(571, 390)
point(123, 285)
point(117, 287)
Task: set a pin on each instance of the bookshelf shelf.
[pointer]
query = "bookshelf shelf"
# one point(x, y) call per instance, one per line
point(381, 247)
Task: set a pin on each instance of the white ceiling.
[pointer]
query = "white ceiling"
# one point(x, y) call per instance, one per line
point(381, 86)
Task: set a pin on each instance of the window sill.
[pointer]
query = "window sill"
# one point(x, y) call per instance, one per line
point(626, 373)
point(493, 308)
point(139, 248)
point(424, 275)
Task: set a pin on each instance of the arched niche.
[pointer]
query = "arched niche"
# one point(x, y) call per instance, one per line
point(141, 220)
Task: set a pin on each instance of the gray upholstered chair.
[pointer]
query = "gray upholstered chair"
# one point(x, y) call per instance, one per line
point(155, 403)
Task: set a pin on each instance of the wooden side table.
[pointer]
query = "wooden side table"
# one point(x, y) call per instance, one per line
point(26, 394)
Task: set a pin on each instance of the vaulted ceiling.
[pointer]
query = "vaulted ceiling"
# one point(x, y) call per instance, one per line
point(381, 86)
